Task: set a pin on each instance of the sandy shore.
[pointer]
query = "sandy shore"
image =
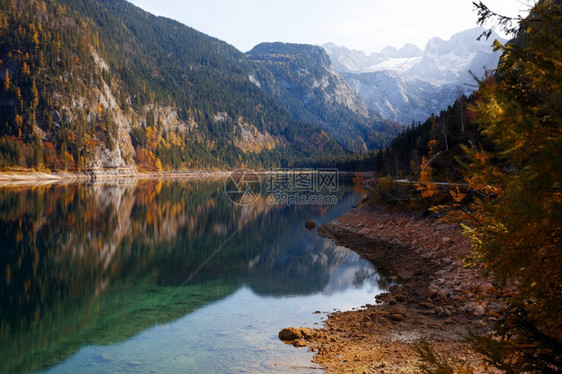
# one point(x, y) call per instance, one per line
point(35, 178)
point(434, 297)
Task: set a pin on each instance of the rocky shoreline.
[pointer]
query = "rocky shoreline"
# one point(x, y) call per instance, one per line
point(433, 297)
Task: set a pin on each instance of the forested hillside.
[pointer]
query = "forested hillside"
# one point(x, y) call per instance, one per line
point(95, 84)
point(440, 138)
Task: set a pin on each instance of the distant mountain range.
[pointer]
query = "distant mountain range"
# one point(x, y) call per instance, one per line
point(89, 85)
point(409, 84)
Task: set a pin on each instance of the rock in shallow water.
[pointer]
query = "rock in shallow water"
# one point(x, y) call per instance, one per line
point(310, 225)
point(295, 336)
point(290, 334)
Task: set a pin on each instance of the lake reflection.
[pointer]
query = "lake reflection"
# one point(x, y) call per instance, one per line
point(165, 276)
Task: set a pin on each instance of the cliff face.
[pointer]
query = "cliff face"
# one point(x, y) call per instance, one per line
point(400, 99)
point(119, 152)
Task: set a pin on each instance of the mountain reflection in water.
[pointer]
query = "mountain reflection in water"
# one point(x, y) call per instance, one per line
point(94, 265)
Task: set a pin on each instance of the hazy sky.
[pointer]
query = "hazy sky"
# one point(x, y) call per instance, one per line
point(367, 25)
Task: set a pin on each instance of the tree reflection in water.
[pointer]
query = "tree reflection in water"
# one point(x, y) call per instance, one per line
point(97, 264)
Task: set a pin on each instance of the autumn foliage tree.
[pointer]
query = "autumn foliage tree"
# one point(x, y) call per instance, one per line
point(514, 220)
point(427, 187)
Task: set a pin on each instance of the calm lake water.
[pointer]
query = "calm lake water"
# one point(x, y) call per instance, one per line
point(166, 276)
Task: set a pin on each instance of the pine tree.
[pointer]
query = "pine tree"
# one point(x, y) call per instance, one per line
point(26, 71)
point(515, 220)
point(7, 80)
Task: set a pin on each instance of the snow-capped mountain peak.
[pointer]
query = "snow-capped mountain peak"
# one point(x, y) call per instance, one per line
point(449, 61)
point(409, 84)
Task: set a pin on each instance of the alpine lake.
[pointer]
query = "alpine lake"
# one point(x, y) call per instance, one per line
point(168, 276)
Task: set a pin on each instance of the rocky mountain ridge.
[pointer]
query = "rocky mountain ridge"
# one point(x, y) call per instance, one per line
point(302, 79)
point(409, 84)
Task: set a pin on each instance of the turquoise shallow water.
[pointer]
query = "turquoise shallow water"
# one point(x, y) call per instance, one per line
point(163, 277)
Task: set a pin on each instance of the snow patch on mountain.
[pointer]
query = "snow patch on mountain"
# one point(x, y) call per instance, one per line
point(409, 84)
